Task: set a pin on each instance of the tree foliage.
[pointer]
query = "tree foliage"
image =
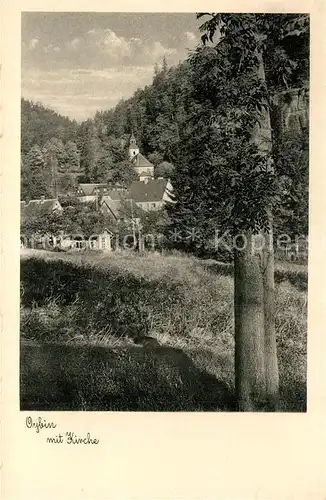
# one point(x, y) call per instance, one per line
point(223, 179)
point(34, 176)
point(76, 218)
point(39, 124)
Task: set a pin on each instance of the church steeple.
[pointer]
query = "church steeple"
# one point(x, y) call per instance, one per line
point(133, 140)
point(133, 148)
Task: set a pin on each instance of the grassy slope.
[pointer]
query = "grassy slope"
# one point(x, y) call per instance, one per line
point(99, 300)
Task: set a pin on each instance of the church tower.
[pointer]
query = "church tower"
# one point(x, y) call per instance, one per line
point(133, 148)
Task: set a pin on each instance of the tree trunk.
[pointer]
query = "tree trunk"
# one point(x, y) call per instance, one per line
point(256, 367)
point(249, 329)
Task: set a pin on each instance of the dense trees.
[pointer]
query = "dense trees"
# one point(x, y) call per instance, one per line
point(164, 169)
point(72, 157)
point(33, 175)
point(39, 124)
point(291, 156)
point(229, 175)
point(50, 170)
point(48, 151)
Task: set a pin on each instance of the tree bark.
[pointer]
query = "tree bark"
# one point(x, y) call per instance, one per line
point(256, 367)
point(249, 329)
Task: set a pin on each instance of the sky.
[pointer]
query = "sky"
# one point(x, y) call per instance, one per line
point(78, 63)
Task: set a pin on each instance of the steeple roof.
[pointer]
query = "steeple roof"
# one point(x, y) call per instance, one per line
point(133, 141)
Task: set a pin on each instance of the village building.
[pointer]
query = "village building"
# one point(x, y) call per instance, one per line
point(151, 194)
point(90, 192)
point(96, 242)
point(93, 192)
point(110, 207)
point(43, 206)
point(38, 208)
point(119, 209)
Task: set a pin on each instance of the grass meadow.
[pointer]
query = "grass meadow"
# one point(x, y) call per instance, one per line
point(80, 312)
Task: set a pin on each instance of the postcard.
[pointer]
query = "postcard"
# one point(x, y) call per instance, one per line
point(162, 250)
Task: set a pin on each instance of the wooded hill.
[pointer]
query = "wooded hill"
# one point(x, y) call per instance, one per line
point(173, 119)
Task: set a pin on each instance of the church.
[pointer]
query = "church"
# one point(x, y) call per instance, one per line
point(143, 167)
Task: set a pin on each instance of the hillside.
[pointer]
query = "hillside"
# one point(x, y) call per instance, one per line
point(39, 124)
point(95, 305)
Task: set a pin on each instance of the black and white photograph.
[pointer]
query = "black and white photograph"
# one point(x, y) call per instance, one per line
point(164, 202)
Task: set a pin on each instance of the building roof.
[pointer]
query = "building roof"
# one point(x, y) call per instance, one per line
point(117, 194)
point(139, 160)
point(129, 208)
point(89, 189)
point(121, 208)
point(35, 208)
point(152, 190)
point(113, 205)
